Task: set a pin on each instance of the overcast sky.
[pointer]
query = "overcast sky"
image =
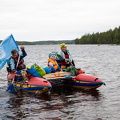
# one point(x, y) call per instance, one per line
point(34, 20)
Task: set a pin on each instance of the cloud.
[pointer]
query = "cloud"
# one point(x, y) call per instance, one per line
point(56, 19)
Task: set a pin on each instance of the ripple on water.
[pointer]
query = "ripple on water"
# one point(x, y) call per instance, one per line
point(66, 103)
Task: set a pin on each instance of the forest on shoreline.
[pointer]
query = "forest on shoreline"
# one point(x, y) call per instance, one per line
point(47, 42)
point(108, 37)
point(44, 42)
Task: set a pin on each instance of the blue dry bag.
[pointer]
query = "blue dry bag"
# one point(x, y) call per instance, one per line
point(47, 70)
point(33, 72)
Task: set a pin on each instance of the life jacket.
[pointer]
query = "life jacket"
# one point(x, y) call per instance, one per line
point(55, 64)
point(21, 64)
point(66, 56)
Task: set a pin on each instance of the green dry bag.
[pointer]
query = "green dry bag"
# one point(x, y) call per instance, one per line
point(40, 70)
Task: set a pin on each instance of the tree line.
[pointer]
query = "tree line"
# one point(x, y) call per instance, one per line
point(108, 37)
point(45, 42)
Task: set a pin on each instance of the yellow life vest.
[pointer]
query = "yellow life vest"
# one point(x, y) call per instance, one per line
point(55, 64)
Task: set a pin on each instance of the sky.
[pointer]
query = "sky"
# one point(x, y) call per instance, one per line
point(37, 20)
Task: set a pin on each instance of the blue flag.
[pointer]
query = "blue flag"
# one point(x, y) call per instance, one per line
point(5, 49)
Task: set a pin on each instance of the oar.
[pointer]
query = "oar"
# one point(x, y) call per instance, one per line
point(11, 86)
point(62, 78)
point(57, 74)
point(70, 62)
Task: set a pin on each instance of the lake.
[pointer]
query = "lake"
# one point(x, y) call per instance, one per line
point(65, 103)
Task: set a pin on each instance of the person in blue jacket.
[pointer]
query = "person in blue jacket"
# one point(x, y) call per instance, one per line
point(16, 61)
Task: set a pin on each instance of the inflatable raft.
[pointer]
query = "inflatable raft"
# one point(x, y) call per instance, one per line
point(34, 84)
point(81, 81)
point(85, 81)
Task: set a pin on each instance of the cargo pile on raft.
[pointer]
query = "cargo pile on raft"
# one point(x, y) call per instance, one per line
point(41, 80)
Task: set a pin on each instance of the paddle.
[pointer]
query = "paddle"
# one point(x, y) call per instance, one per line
point(11, 86)
point(62, 78)
point(56, 75)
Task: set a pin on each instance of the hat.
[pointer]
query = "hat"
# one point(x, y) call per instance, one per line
point(52, 54)
point(63, 45)
point(14, 51)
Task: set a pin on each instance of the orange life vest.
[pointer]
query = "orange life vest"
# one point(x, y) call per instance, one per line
point(55, 64)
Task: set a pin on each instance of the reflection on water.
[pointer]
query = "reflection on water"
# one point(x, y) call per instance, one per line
point(24, 105)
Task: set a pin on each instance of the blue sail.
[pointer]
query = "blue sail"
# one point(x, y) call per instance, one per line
point(5, 49)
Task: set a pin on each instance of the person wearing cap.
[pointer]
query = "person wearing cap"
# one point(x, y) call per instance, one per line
point(16, 62)
point(52, 63)
point(64, 57)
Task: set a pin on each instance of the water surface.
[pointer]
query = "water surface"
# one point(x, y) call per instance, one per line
point(65, 103)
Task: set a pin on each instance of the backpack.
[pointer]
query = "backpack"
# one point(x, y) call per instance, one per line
point(72, 70)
